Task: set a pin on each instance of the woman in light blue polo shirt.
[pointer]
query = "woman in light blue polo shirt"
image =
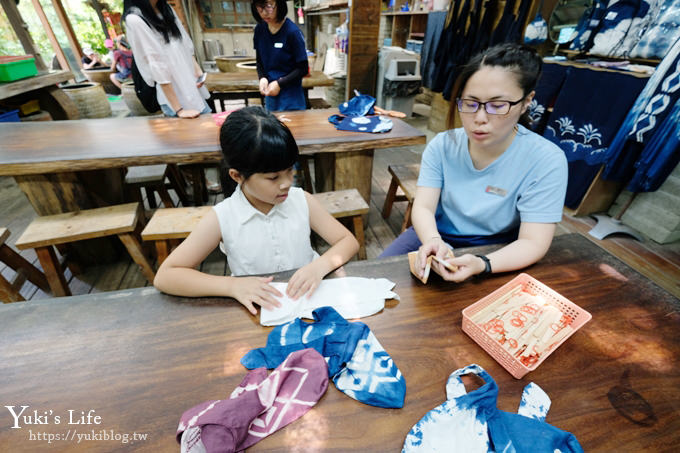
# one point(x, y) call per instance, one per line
point(492, 181)
point(281, 56)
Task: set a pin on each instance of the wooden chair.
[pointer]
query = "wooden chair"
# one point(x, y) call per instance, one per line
point(9, 291)
point(347, 204)
point(168, 226)
point(44, 232)
point(404, 177)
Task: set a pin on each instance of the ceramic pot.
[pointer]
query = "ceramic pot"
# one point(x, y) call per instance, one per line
point(90, 99)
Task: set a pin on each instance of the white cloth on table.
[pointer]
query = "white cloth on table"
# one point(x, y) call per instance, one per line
point(351, 297)
point(160, 62)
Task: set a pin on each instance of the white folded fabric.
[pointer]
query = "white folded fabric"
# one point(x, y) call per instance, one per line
point(351, 297)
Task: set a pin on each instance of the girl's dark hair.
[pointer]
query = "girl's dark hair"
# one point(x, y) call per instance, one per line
point(522, 60)
point(281, 9)
point(255, 141)
point(166, 25)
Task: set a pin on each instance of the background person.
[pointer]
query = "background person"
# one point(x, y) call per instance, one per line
point(122, 63)
point(164, 55)
point(281, 56)
point(491, 181)
point(91, 59)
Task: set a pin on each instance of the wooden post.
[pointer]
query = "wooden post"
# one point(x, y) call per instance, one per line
point(97, 7)
point(61, 56)
point(68, 29)
point(364, 17)
point(21, 30)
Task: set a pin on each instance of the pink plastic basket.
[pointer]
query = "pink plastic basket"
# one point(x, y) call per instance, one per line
point(490, 345)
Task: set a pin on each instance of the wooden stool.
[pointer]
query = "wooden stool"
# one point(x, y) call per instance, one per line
point(151, 178)
point(347, 204)
point(404, 177)
point(168, 226)
point(9, 291)
point(44, 232)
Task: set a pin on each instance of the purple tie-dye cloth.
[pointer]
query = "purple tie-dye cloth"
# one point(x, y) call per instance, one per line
point(258, 407)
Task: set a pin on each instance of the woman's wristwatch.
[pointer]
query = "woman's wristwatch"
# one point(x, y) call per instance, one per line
point(178, 110)
point(487, 264)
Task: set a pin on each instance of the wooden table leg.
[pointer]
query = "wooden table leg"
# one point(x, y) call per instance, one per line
point(162, 250)
point(354, 169)
point(390, 197)
point(52, 269)
point(8, 292)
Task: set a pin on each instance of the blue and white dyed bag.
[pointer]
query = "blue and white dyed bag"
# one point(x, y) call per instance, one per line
point(471, 422)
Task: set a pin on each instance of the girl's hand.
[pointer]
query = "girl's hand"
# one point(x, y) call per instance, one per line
point(273, 89)
point(433, 246)
point(304, 281)
point(468, 265)
point(264, 83)
point(256, 290)
point(183, 113)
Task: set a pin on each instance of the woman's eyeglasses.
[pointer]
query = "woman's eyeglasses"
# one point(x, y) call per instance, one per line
point(268, 6)
point(491, 107)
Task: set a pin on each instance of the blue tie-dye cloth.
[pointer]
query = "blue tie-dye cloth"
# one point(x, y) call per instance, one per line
point(357, 363)
point(471, 422)
point(359, 105)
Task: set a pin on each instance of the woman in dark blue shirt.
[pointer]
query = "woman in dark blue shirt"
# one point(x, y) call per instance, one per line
point(281, 56)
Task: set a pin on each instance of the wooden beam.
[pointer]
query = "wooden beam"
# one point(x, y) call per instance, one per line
point(68, 29)
point(364, 17)
point(61, 56)
point(21, 30)
point(97, 7)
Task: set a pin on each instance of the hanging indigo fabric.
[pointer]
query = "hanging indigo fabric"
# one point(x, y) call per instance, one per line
point(662, 33)
point(433, 32)
point(614, 25)
point(651, 108)
point(587, 114)
point(537, 30)
point(588, 25)
point(471, 422)
point(547, 89)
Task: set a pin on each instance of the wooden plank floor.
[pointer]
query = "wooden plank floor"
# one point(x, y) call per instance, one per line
point(660, 263)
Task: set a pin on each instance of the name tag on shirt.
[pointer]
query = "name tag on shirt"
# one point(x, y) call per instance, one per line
point(278, 45)
point(496, 191)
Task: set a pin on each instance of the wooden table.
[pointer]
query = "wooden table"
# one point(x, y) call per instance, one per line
point(45, 157)
point(139, 359)
point(245, 85)
point(42, 87)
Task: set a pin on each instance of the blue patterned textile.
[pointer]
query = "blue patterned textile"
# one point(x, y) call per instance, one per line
point(587, 26)
point(651, 109)
point(547, 90)
point(615, 24)
point(358, 365)
point(662, 33)
point(359, 105)
point(471, 422)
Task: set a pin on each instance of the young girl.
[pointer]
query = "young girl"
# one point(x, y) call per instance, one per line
point(491, 181)
point(264, 226)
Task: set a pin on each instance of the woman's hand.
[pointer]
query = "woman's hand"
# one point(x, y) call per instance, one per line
point(468, 265)
point(186, 114)
point(305, 281)
point(273, 89)
point(256, 290)
point(434, 246)
point(264, 83)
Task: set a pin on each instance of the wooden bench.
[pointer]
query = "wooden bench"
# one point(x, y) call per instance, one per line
point(404, 177)
point(168, 226)
point(9, 291)
point(44, 232)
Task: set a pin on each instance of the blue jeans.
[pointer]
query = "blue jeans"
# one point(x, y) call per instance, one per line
point(168, 111)
point(408, 241)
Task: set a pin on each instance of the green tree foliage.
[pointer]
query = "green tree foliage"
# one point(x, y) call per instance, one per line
point(81, 14)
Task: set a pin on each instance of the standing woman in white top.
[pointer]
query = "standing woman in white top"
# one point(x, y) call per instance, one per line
point(264, 226)
point(164, 54)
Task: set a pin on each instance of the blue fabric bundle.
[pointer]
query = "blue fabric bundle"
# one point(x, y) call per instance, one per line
point(586, 117)
point(357, 363)
point(359, 105)
point(651, 109)
point(468, 422)
point(614, 26)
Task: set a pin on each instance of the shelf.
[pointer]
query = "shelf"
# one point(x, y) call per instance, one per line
point(327, 5)
point(578, 53)
point(404, 13)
